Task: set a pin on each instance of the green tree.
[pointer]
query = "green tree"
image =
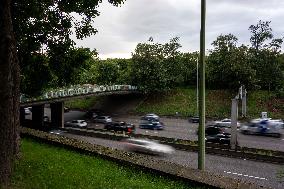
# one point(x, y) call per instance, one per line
point(264, 56)
point(45, 26)
point(35, 24)
point(154, 65)
point(260, 33)
point(9, 95)
point(228, 66)
point(106, 72)
point(187, 68)
point(34, 82)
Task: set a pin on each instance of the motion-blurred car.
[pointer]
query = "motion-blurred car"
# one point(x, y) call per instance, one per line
point(263, 127)
point(77, 123)
point(57, 132)
point(151, 123)
point(269, 121)
point(120, 126)
point(225, 123)
point(147, 146)
point(151, 116)
point(102, 119)
point(217, 135)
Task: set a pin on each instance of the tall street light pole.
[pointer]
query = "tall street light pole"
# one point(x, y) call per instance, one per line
point(201, 135)
point(197, 88)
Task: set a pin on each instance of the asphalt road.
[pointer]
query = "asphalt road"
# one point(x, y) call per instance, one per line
point(181, 129)
point(264, 174)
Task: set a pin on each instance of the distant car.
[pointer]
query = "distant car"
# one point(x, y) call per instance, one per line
point(151, 116)
point(66, 109)
point(217, 135)
point(57, 132)
point(264, 127)
point(28, 110)
point(46, 118)
point(194, 119)
point(102, 119)
point(151, 123)
point(225, 123)
point(147, 146)
point(77, 123)
point(120, 126)
point(92, 113)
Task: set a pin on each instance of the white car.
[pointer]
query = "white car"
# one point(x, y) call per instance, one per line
point(264, 127)
point(147, 146)
point(102, 119)
point(151, 116)
point(269, 121)
point(57, 132)
point(226, 123)
point(77, 123)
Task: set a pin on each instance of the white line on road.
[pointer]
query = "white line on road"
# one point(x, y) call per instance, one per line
point(239, 174)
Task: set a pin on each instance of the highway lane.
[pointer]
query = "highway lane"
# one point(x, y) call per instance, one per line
point(181, 129)
point(264, 174)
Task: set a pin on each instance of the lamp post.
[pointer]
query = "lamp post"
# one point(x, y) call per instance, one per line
point(197, 88)
point(201, 134)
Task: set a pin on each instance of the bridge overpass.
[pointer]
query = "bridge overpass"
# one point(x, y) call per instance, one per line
point(57, 97)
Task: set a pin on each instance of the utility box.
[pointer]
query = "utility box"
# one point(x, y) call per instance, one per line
point(263, 115)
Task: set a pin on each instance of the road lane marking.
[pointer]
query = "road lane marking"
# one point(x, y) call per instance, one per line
point(249, 176)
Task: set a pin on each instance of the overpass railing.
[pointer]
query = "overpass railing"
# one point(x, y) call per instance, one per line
point(77, 91)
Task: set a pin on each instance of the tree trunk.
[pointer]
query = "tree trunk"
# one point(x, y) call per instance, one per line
point(9, 95)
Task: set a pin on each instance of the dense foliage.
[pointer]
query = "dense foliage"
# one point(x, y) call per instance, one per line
point(42, 29)
point(159, 67)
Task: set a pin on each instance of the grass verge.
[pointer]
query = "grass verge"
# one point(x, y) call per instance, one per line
point(46, 166)
point(218, 103)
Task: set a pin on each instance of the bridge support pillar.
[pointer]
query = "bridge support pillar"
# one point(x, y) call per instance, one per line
point(37, 116)
point(22, 116)
point(57, 114)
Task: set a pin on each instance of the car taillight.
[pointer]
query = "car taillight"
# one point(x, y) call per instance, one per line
point(129, 130)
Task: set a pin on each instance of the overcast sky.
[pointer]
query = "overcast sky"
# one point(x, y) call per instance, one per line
point(120, 29)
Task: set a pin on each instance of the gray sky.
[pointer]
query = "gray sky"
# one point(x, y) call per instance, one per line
point(122, 28)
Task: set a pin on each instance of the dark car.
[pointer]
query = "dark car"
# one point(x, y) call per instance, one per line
point(151, 123)
point(92, 113)
point(216, 134)
point(66, 109)
point(194, 119)
point(120, 126)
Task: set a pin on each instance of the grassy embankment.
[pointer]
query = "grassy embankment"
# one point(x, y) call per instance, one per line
point(218, 103)
point(46, 166)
